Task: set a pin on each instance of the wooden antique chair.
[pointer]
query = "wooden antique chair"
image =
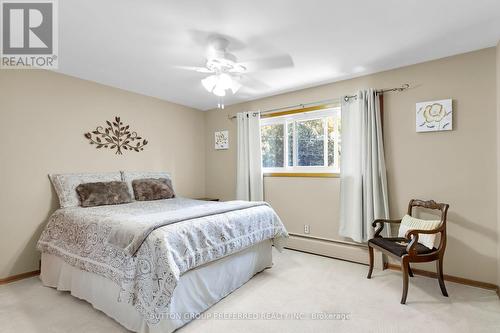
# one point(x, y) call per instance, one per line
point(413, 251)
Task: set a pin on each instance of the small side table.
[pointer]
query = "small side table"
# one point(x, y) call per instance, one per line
point(207, 199)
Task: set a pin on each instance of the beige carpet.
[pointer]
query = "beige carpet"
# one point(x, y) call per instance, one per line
point(299, 285)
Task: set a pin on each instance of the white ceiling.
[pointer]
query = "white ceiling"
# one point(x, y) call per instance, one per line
point(134, 45)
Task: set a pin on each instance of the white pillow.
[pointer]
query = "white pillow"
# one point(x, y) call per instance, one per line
point(129, 176)
point(410, 223)
point(65, 184)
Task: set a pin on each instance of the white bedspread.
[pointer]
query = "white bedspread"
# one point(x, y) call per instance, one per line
point(147, 279)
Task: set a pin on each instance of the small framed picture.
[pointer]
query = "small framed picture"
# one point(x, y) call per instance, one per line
point(221, 140)
point(434, 116)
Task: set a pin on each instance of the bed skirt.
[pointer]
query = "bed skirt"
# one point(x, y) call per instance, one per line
point(197, 290)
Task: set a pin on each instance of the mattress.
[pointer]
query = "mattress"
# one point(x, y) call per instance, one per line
point(197, 289)
point(146, 247)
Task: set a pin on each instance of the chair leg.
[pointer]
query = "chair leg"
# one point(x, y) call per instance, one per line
point(410, 272)
point(404, 270)
point(439, 267)
point(370, 254)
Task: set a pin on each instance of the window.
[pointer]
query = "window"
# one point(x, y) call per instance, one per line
point(302, 142)
point(273, 152)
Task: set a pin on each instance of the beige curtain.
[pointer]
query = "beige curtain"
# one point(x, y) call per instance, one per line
point(249, 182)
point(363, 180)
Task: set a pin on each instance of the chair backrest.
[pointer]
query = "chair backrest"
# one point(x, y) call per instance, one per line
point(431, 204)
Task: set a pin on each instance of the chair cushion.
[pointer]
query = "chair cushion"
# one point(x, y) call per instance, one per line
point(392, 245)
point(410, 223)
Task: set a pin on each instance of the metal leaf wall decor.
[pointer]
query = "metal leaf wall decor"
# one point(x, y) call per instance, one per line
point(116, 136)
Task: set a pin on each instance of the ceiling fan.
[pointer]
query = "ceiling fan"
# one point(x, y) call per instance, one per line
point(226, 73)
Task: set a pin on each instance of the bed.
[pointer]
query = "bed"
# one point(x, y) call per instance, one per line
point(153, 266)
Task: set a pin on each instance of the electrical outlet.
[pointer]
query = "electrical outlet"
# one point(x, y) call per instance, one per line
point(306, 228)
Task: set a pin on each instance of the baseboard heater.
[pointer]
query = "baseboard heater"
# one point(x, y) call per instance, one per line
point(357, 253)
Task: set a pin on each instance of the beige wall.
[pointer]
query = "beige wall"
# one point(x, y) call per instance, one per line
point(289, 196)
point(457, 167)
point(43, 116)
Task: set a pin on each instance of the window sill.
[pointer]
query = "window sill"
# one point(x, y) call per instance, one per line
point(303, 174)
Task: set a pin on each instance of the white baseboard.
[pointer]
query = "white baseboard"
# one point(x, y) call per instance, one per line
point(329, 248)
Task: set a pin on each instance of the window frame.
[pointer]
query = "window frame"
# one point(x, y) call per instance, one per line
point(288, 120)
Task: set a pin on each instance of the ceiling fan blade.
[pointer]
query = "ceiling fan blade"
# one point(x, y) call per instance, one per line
point(195, 69)
point(276, 62)
point(203, 38)
point(253, 84)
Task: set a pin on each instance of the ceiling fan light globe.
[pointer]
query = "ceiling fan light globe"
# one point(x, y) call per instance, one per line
point(225, 81)
point(219, 91)
point(209, 82)
point(235, 86)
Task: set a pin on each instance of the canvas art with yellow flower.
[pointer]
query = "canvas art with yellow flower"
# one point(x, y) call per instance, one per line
point(434, 116)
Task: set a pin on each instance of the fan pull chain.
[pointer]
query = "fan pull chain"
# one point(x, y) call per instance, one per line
point(220, 103)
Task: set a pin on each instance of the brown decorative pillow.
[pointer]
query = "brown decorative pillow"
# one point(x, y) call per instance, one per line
point(152, 189)
point(103, 193)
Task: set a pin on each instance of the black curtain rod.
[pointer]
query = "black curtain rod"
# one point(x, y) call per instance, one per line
point(326, 101)
point(399, 89)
